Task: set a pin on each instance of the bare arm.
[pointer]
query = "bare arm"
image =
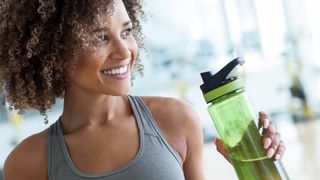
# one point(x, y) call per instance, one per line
point(27, 161)
point(192, 166)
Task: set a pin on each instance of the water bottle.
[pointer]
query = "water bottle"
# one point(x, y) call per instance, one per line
point(236, 123)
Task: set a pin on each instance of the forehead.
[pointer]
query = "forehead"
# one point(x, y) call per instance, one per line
point(118, 14)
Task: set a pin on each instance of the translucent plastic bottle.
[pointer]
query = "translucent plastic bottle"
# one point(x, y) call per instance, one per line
point(235, 122)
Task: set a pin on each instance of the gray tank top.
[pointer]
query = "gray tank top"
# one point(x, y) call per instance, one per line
point(155, 160)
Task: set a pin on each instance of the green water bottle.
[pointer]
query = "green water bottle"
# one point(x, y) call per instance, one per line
point(236, 123)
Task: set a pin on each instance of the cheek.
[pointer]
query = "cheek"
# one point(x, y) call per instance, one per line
point(88, 66)
point(91, 61)
point(133, 46)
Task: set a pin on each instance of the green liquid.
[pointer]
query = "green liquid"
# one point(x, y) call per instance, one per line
point(254, 170)
point(251, 162)
point(234, 120)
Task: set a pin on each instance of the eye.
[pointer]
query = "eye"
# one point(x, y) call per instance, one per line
point(103, 38)
point(127, 32)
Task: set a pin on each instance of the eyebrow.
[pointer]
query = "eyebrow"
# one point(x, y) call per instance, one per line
point(107, 29)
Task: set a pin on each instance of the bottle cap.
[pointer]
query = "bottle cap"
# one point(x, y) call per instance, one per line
point(223, 82)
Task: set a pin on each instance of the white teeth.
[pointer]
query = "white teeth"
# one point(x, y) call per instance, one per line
point(116, 71)
point(122, 70)
point(125, 69)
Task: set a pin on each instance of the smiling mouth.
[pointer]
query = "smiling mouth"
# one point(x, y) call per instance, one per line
point(116, 71)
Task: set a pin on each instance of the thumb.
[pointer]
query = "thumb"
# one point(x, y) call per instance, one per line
point(221, 149)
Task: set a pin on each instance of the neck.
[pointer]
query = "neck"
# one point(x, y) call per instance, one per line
point(92, 109)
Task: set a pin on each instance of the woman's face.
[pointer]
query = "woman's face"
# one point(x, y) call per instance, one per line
point(108, 69)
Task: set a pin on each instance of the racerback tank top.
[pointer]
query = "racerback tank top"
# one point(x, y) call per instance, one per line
point(155, 160)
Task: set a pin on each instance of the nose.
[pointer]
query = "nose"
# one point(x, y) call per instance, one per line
point(120, 50)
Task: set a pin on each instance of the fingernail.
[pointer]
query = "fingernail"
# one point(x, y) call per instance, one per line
point(267, 143)
point(270, 153)
point(277, 156)
point(266, 124)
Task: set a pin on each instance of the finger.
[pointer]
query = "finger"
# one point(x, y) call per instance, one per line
point(280, 151)
point(268, 136)
point(267, 142)
point(221, 148)
point(270, 130)
point(263, 120)
point(274, 145)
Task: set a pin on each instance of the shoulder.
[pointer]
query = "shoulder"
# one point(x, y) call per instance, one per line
point(28, 159)
point(177, 119)
point(181, 125)
point(173, 112)
point(170, 107)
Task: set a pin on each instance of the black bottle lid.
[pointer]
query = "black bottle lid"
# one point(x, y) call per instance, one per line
point(211, 82)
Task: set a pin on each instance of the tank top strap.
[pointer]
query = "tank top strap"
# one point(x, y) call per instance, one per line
point(143, 116)
point(54, 150)
point(149, 125)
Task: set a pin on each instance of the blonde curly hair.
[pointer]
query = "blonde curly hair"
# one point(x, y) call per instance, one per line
point(40, 39)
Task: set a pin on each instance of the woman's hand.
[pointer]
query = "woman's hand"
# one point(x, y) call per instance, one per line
point(271, 140)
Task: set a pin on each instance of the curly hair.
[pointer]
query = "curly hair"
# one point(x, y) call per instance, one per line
point(40, 39)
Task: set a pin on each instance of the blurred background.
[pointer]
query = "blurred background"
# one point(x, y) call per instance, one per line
point(280, 41)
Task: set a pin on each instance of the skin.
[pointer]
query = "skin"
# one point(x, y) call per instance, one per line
point(88, 129)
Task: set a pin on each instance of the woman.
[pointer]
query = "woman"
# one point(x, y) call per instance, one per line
point(85, 52)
